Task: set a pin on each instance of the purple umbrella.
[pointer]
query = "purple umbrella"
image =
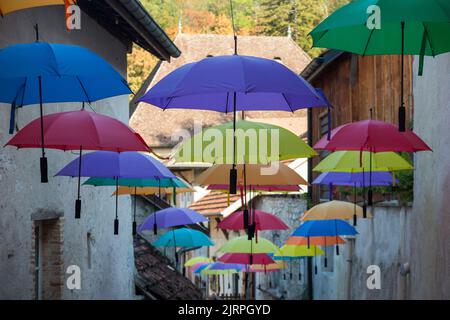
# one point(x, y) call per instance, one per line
point(233, 83)
point(358, 179)
point(171, 217)
point(124, 165)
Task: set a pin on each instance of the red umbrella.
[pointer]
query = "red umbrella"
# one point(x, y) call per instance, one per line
point(264, 221)
point(373, 136)
point(79, 130)
point(246, 258)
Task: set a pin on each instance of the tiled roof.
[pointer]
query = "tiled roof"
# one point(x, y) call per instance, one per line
point(157, 278)
point(157, 126)
point(213, 203)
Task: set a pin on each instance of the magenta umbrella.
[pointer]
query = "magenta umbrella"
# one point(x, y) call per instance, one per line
point(263, 221)
point(246, 258)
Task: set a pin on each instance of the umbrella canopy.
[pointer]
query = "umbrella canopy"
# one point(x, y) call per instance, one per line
point(263, 221)
point(373, 136)
point(276, 266)
point(137, 182)
point(355, 161)
point(171, 217)
point(243, 245)
point(107, 164)
point(75, 130)
point(217, 272)
point(317, 228)
point(199, 269)
point(356, 179)
point(191, 262)
point(254, 174)
point(316, 241)
point(268, 188)
point(197, 265)
point(144, 191)
point(226, 266)
point(244, 258)
point(299, 251)
point(8, 6)
point(334, 210)
point(211, 83)
point(259, 141)
point(373, 27)
point(183, 237)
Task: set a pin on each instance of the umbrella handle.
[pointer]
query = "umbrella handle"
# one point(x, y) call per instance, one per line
point(134, 228)
point(337, 249)
point(233, 180)
point(116, 226)
point(77, 208)
point(44, 170)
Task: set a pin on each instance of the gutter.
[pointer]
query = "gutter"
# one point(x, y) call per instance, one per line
point(135, 14)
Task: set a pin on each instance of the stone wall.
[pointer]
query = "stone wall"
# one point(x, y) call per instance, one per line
point(106, 261)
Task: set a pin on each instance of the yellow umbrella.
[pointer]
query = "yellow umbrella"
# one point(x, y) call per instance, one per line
point(292, 251)
point(268, 267)
point(283, 175)
point(243, 245)
point(195, 260)
point(334, 210)
point(355, 161)
point(8, 6)
point(142, 191)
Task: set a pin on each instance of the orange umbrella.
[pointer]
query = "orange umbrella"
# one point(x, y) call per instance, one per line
point(8, 6)
point(315, 241)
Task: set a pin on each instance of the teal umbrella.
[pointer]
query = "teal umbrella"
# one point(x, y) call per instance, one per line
point(378, 27)
point(183, 237)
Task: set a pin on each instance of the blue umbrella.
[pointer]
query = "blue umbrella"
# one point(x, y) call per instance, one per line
point(233, 83)
point(226, 266)
point(316, 228)
point(39, 72)
point(183, 237)
point(201, 268)
point(356, 179)
point(108, 164)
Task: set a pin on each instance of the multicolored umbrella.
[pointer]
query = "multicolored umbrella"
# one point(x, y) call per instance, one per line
point(233, 83)
point(8, 6)
point(320, 228)
point(40, 72)
point(171, 217)
point(196, 260)
point(107, 164)
point(244, 258)
point(258, 141)
point(417, 27)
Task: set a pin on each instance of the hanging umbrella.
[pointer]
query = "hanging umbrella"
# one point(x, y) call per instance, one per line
point(416, 27)
point(40, 72)
point(171, 217)
point(372, 136)
point(244, 258)
point(356, 179)
point(258, 139)
point(254, 175)
point(218, 265)
point(107, 164)
point(79, 130)
point(354, 161)
point(263, 221)
point(130, 186)
point(243, 245)
point(335, 210)
point(199, 269)
point(299, 251)
point(183, 237)
point(317, 228)
point(197, 265)
point(196, 260)
point(268, 188)
point(8, 6)
point(276, 266)
point(316, 241)
point(230, 84)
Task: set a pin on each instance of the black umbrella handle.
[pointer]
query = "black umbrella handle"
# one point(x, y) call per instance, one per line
point(44, 170)
point(116, 226)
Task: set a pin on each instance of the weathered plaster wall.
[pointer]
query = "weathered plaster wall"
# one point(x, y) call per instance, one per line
point(430, 219)
point(279, 284)
point(110, 275)
point(382, 241)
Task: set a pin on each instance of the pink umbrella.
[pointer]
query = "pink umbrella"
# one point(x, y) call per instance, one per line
point(246, 258)
point(263, 221)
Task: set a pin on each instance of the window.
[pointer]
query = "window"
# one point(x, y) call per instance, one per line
point(324, 190)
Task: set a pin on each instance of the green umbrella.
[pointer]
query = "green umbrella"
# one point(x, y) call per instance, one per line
point(255, 144)
point(378, 27)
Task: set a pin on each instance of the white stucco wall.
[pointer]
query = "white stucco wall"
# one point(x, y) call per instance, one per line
point(430, 219)
point(21, 193)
